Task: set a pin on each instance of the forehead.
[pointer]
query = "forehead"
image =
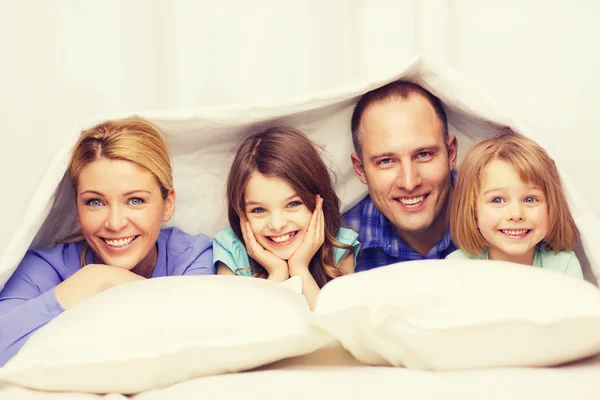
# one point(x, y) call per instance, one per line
point(105, 176)
point(265, 189)
point(501, 174)
point(400, 125)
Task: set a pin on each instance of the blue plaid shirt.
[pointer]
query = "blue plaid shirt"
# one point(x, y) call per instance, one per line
point(380, 244)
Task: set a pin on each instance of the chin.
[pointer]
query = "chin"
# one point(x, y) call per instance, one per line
point(124, 264)
point(284, 255)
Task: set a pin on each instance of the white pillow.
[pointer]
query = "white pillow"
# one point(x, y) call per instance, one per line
point(150, 334)
point(457, 314)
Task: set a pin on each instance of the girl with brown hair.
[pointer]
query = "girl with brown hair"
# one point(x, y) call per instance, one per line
point(508, 204)
point(284, 215)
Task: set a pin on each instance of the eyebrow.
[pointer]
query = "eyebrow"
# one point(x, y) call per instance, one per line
point(380, 155)
point(257, 203)
point(124, 194)
point(433, 148)
point(499, 189)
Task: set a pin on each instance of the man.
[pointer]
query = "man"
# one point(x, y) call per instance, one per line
point(405, 156)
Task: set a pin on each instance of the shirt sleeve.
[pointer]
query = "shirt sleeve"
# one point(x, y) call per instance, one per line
point(27, 303)
point(203, 264)
point(228, 250)
point(350, 238)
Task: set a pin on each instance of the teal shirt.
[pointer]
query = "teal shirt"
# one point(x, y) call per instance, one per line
point(229, 250)
point(565, 262)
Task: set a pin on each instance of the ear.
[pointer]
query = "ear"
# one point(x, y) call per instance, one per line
point(452, 151)
point(358, 167)
point(169, 207)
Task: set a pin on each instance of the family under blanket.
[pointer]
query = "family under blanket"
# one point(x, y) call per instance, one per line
point(505, 202)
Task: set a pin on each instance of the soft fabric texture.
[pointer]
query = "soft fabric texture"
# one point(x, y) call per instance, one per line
point(201, 143)
point(461, 314)
point(150, 334)
point(331, 373)
point(381, 245)
point(564, 262)
point(229, 250)
point(28, 300)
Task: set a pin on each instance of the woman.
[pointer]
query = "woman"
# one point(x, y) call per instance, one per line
point(121, 173)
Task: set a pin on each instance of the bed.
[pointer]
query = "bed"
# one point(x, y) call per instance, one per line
point(332, 373)
point(201, 143)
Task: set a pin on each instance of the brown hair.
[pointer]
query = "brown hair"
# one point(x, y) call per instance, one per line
point(287, 154)
point(132, 140)
point(533, 165)
point(395, 90)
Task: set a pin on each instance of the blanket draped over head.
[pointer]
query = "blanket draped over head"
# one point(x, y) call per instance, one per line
point(202, 144)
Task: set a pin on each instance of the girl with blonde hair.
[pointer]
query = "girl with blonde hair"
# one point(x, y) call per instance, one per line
point(508, 204)
point(121, 173)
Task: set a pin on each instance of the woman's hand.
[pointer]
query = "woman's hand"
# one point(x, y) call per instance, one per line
point(311, 241)
point(90, 280)
point(275, 266)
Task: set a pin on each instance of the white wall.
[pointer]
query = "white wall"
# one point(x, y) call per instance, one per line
point(66, 60)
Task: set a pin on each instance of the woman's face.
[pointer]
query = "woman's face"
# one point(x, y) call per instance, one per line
point(120, 209)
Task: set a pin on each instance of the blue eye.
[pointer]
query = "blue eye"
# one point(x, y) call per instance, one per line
point(94, 203)
point(258, 210)
point(135, 201)
point(384, 161)
point(424, 155)
point(294, 204)
point(497, 200)
point(530, 199)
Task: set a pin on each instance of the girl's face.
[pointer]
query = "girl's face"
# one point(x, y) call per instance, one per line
point(511, 215)
point(120, 210)
point(276, 213)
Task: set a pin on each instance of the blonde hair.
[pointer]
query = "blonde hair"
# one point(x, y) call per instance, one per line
point(132, 140)
point(533, 165)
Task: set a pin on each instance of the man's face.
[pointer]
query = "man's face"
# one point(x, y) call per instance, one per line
point(406, 164)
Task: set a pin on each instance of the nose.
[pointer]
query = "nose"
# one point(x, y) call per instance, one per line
point(277, 221)
point(116, 219)
point(409, 178)
point(514, 212)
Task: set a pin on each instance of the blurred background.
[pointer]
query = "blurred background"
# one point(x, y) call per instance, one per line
point(65, 61)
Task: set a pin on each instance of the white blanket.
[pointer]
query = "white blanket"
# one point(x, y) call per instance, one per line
point(202, 143)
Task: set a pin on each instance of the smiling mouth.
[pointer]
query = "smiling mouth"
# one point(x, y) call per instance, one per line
point(121, 242)
point(411, 201)
point(283, 239)
point(515, 233)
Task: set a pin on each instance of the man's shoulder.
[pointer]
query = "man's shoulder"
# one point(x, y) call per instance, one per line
point(362, 213)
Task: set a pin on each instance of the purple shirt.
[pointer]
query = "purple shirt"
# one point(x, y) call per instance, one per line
point(28, 301)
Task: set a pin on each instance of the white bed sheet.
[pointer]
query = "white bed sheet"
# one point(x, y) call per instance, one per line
point(332, 373)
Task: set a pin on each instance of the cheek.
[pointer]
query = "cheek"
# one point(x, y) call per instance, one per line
point(256, 224)
point(382, 180)
point(304, 218)
point(436, 173)
point(540, 216)
point(487, 217)
point(89, 221)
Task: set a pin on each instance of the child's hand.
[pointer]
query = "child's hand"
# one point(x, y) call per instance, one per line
point(311, 242)
point(275, 266)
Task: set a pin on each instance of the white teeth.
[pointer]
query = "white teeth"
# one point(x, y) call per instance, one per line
point(513, 232)
point(283, 238)
point(119, 242)
point(414, 200)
